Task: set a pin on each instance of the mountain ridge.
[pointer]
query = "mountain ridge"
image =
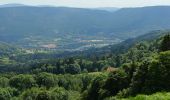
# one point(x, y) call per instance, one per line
point(26, 22)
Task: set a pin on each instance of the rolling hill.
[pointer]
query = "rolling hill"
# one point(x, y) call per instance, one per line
point(30, 26)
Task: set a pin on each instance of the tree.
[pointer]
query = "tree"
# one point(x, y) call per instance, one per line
point(59, 94)
point(43, 95)
point(118, 60)
point(4, 94)
point(22, 81)
point(164, 58)
point(30, 94)
point(93, 92)
point(152, 76)
point(46, 80)
point(4, 82)
point(165, 45)
point(139, 78)
point(116, 81)
point(73, 69)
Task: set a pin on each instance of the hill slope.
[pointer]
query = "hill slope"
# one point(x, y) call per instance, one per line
point(25, 24)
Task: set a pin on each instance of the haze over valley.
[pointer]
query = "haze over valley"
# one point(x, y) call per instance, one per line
point(71, 29)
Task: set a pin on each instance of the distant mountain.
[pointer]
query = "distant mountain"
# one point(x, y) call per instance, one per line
point(45, 20)
point(110, 9)
point(12, 5)
point(76, 25)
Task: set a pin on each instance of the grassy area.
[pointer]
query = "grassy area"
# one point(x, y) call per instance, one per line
point(156, 96)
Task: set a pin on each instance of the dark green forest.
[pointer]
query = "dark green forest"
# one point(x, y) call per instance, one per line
point(135, 66)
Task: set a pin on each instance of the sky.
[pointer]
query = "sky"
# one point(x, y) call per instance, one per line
point(91, 3)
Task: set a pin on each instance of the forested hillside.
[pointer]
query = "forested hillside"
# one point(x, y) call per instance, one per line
point(100, 58)
point(142, 68)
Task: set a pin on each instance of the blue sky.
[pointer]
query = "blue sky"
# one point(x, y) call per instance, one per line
point(91, 3)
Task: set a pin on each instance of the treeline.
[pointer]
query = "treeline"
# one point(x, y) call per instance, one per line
point(43, 86)
point(125, 52)
point(76, 65)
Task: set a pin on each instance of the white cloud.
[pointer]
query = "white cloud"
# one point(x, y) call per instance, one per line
point(91, 3)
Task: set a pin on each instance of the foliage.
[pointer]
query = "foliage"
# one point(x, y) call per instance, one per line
point(165, 43)
point(4, 94)
point(156, 96)
point(46, 80)
point(143, 69)
point(22, 82)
